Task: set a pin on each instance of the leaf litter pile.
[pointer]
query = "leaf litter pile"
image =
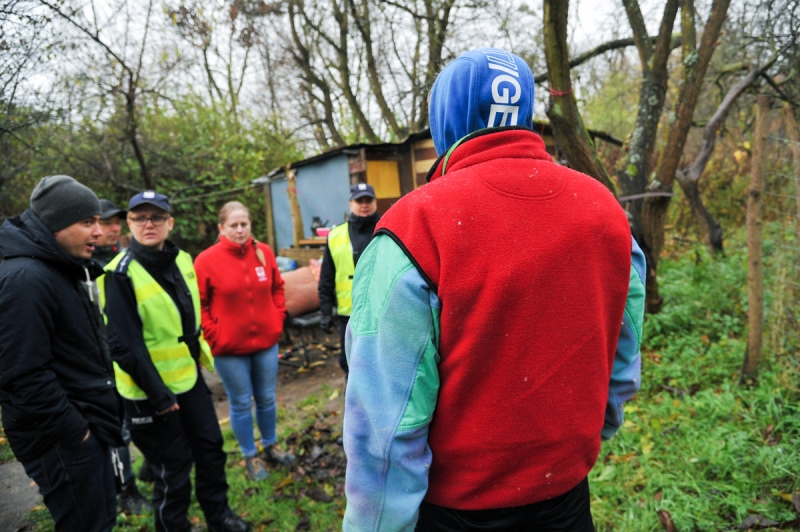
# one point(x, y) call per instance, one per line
point(318, 473)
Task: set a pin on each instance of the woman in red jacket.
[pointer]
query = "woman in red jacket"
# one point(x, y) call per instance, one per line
point(243, 308)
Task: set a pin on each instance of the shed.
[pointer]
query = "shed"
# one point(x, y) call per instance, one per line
point(323, 181)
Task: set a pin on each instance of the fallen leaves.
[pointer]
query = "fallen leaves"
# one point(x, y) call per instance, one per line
point(756, 521)
point(666, 521)
point(319, 471)
point(793, 498)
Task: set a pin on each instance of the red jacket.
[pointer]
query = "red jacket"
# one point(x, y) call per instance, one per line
point(242, 302)
point(531, 263)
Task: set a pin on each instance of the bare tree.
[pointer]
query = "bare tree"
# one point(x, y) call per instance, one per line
point(25, 39)
point(125, 63)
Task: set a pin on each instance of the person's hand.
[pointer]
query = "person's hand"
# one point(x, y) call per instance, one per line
point(326, 323)
point(173, 408)
point(88, 433)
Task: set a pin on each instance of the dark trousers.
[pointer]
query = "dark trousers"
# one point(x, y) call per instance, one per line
point(566, 513)
point(172, 443)
point(342, 354)
point(122, 460)
point(77, 485)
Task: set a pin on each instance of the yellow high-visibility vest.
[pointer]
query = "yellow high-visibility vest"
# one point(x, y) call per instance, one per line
point(342, 255)
point(162, 327)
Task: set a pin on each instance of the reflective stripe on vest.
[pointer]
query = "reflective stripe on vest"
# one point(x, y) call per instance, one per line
point(101, 287)
point(162, 328)
point(342, 255)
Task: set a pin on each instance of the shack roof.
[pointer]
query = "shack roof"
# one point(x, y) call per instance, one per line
point(278, 174)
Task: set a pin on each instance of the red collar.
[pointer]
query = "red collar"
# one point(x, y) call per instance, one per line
point(234, 248)
point(488, 144)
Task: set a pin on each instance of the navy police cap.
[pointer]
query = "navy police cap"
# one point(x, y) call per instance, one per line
point(150, 197)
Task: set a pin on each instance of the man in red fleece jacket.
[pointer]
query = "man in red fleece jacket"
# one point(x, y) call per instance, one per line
point(495, 326)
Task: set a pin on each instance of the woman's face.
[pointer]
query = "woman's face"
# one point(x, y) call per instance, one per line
point(364, 206)
point(236, 227)
point(150, 225)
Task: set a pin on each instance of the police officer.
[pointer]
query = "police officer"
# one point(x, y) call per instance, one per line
point(153, 309)
point(107, 247)
point(346, 242)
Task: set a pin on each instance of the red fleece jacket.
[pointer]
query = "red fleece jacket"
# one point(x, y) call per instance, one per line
point(531, 263)
point(242, 302)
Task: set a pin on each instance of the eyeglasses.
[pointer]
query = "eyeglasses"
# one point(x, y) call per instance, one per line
point(158, 220)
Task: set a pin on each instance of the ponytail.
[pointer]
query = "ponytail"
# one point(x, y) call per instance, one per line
point(260, 254)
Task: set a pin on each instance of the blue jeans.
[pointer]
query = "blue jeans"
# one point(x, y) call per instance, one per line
point(248, 377)
point(77, 485)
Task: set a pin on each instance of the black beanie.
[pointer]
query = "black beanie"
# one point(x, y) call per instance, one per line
point(60, 201)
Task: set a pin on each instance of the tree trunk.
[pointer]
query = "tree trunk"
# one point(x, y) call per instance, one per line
point(133, 131)
point(755, 270)
point(364, 24)
point(708, 226)
point(302, 56)
point(568, 129)
point(437, 20)
point(343, 55)
point(633, 177)
point(695, 62)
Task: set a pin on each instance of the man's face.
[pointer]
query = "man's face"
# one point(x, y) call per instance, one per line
point(150, 225)
point(364, 206)
point(79, 239)
point(112, 227)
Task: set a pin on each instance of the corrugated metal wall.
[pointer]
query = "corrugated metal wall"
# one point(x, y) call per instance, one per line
point(323, 189)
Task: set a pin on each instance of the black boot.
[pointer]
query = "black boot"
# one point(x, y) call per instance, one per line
point(232, 523)
point(131, 501)
point(146, 472)
point(277, 456)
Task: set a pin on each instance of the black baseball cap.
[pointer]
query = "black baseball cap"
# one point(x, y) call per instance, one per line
point(360, 190)
point(150, 197)
point(108, 209)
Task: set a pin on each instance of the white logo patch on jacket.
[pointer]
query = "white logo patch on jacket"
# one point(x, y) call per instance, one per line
point(262, 274)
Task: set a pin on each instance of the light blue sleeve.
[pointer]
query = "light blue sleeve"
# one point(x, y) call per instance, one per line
point(392, 352)
point(627, 370)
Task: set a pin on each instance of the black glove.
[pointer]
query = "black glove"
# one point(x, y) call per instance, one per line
point(326, 323)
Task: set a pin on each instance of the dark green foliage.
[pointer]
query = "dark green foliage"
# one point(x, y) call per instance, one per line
point(695, 442)
point(704, 303)
point(198, 156)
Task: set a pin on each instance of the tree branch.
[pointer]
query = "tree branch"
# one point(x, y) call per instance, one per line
point(710, 131)
point(603, 48)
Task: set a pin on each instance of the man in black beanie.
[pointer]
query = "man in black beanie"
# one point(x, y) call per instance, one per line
point(61, 411)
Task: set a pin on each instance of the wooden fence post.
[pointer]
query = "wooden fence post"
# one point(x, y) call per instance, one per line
point(271, 240)
point(294, 206)
point(755, 265)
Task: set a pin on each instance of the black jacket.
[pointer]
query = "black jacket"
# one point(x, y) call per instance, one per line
point(361, 230)
point(128, 348)
point(104, 254)
point(56, 376)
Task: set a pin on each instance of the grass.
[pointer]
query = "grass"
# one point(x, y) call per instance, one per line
point(696, 444)
point(285, 501)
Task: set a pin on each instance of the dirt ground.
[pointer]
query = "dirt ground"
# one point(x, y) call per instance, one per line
point(18, 494)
